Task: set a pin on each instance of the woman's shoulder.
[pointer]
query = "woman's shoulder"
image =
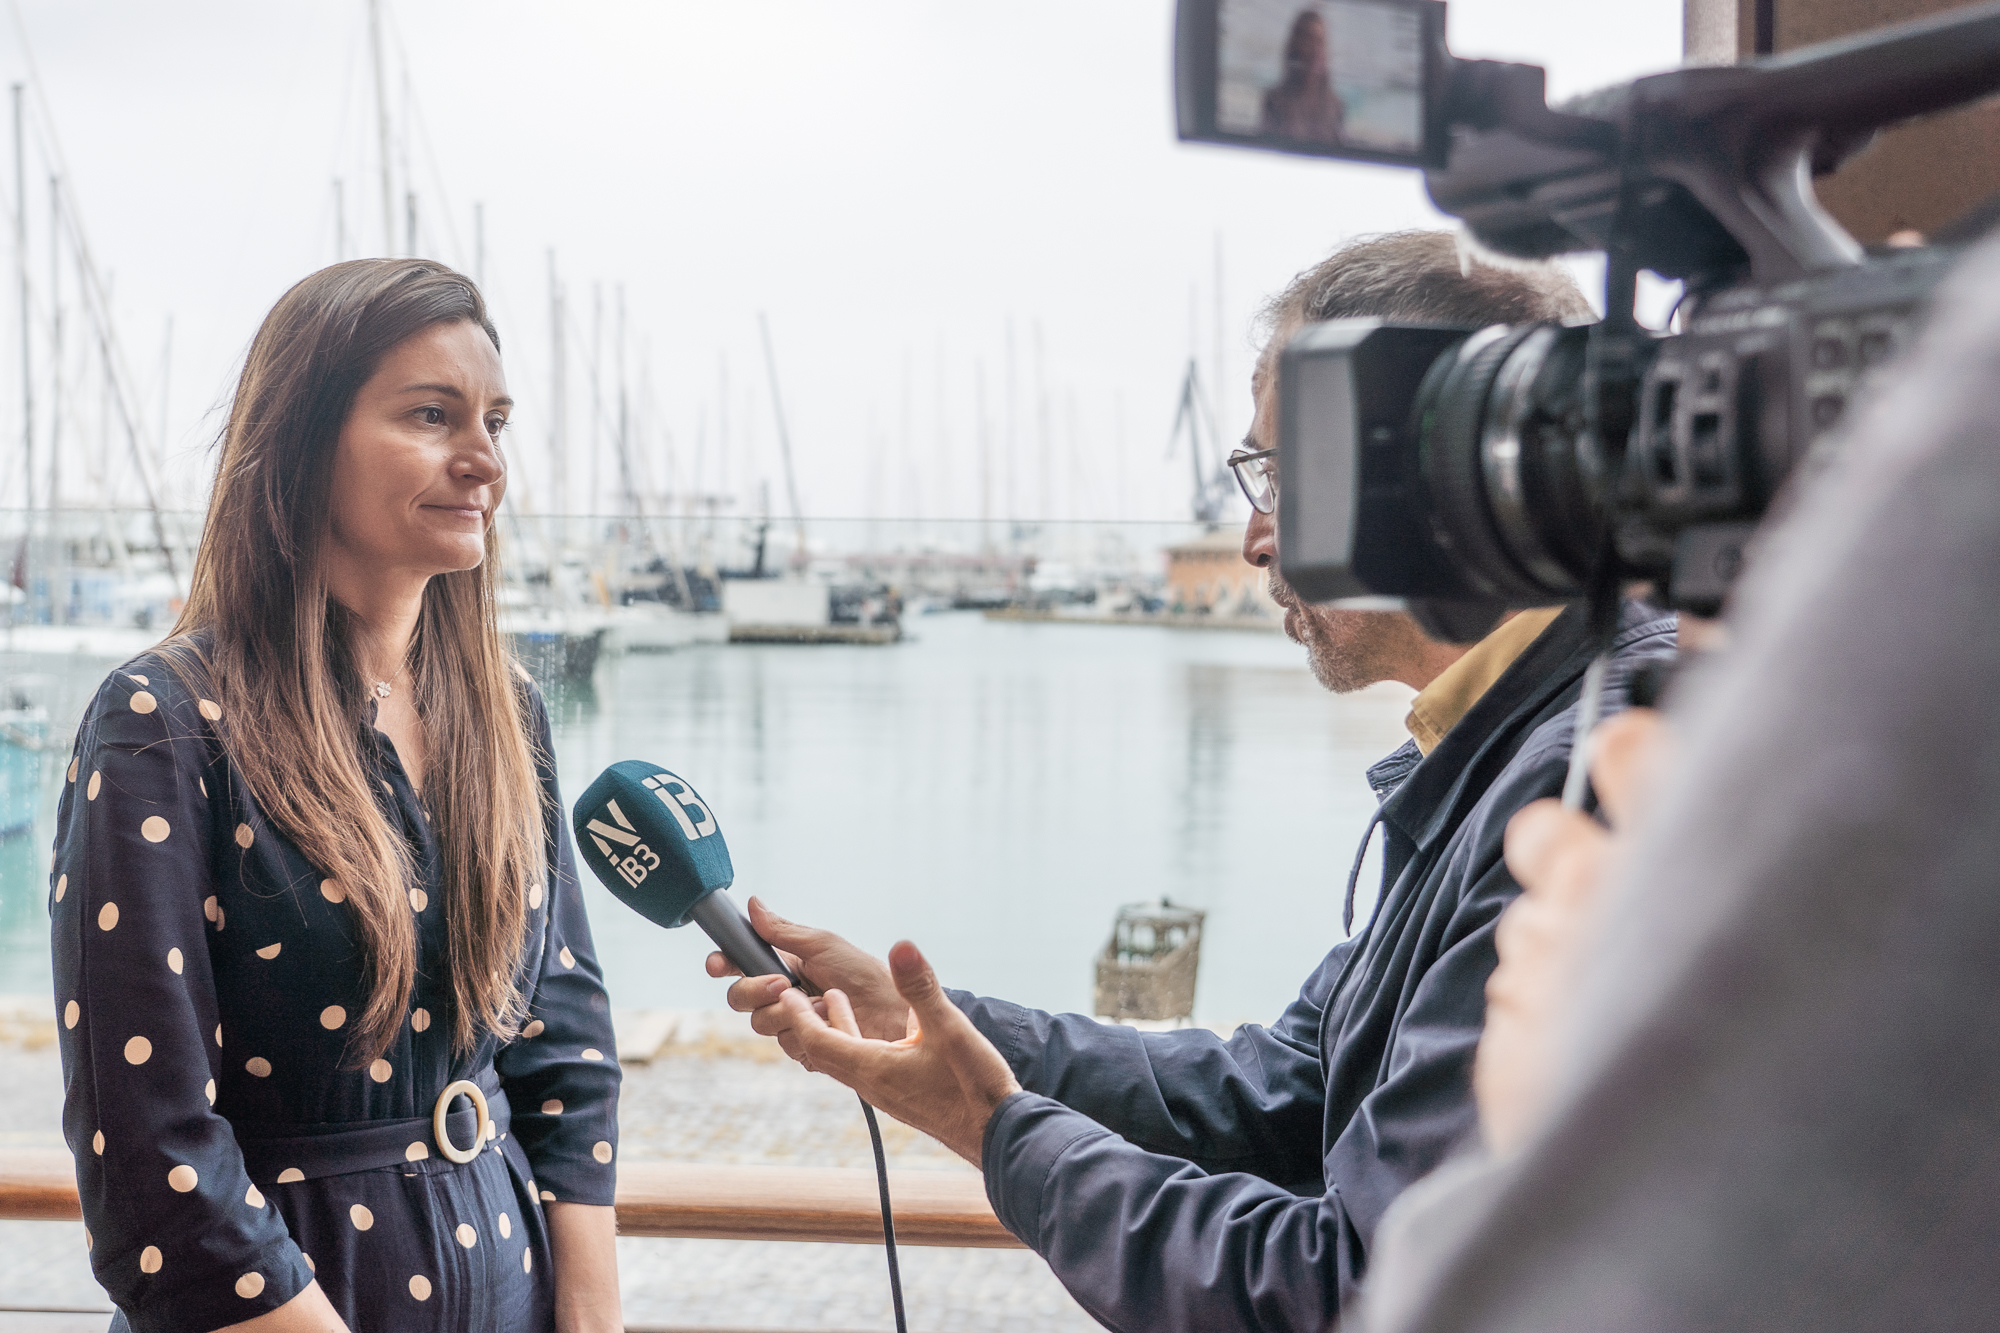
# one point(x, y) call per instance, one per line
point(161, 693)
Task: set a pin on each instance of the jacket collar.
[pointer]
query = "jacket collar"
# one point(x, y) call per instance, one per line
point(1432, 800)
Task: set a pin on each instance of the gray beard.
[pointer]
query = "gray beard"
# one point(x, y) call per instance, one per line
point(1347, 650)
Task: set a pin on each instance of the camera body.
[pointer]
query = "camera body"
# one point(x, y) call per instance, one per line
point(1461, 472)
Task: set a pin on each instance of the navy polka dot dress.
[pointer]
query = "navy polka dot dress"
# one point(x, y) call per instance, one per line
point(209, 981)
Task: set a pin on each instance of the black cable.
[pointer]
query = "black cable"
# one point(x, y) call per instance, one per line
point(888, 1219)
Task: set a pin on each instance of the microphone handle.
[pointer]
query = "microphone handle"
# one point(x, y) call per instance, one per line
point(723, 921)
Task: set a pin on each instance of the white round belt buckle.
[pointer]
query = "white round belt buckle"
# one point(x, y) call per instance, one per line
point(479, 1135)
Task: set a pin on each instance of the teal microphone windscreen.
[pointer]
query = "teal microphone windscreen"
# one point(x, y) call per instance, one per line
point(653, 842)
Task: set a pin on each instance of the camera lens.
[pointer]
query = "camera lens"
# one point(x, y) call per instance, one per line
point(1498, 426)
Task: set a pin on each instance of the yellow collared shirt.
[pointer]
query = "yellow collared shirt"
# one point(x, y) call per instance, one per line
point(1439, 706)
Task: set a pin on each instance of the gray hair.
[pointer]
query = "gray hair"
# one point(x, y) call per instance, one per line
point(1421, 277)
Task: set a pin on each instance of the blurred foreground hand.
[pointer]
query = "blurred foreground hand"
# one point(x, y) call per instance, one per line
point(1561, 859)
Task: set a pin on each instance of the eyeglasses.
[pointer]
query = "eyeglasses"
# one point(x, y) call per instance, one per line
point(1257, 473)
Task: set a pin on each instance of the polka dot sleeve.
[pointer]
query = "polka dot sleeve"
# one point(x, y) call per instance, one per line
point(179, 1236)
point(562, 1073)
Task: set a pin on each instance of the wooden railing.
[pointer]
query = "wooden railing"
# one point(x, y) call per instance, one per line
point(681, 1199)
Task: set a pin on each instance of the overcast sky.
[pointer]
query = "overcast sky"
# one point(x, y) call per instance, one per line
point(895, 184)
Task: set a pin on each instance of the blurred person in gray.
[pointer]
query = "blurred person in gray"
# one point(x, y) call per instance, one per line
point(1177, 1181)
point(1755, 1081)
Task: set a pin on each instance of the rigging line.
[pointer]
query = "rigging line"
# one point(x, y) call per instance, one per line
point(417, 126)
point(92, 289)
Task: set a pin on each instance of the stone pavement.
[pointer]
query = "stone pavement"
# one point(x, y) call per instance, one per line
point(714, 1093)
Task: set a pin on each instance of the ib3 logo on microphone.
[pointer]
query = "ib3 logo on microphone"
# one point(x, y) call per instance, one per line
point(639, 860)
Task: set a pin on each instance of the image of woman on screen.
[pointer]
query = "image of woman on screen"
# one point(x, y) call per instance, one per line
point(1303, 104)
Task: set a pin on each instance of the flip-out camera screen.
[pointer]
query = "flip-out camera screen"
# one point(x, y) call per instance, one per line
point(1339, 78)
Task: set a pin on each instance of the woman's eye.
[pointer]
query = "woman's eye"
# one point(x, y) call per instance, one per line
point(433, 416)
point(495, 426)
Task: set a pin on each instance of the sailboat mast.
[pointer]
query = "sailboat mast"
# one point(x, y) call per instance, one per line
point(784, 437)
point(55, 342)
point(382, 126)
point(21, 266)
point(558, 397)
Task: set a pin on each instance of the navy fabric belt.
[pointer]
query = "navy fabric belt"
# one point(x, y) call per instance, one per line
point(278, 1154)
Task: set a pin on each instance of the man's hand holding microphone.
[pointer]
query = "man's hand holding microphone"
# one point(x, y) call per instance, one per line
point(887, 1031)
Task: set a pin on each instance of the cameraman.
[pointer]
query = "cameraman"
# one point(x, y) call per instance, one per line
point(1772, 1087)
point(1177, 1181)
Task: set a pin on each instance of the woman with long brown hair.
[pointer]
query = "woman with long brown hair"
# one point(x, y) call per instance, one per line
point(336, 1047)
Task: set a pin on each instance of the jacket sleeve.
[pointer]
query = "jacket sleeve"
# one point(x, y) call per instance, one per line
point(561, 1073)
point(1253, 1103)
point(179, 1236)
point(1145, 1240)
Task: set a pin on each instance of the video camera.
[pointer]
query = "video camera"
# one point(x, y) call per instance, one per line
point(1462, 472)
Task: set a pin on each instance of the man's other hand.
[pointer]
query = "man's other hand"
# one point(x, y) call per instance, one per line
point(1560, 858)
point(828, 962)
point(943, 1077)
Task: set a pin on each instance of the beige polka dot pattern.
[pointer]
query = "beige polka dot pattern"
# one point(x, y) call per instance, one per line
point(71, 1012)
point(527, 1261)
point(62, 887)
point(592, 1053)
point(254, 1197)
point(250, 1285)
point(138, 1051)
point(270, 951)
point(143, 702)
point(568, 958)
point(420, 1020)
point(218, 1034)
point(416, 1152)
point(155, 829)
point(601, 1151)
point(72, 768)
point(466, 1235)
point(107, 916)
point(332, 892)
point(96, 781)
point(361, 1217)
point(290, 1175)
point(143, 680)
point(419, 899)
point(420, 1287)
point(175, 961)
point(534, 896)
point(97, 1143)
point(149, 1259)
point(332, 1017)
point(506, 1225)
point(208, 1090)
point(183, 1178)
point(210, 710)
point(534, 1029)
point(209, 907)
point(244, 836)
point(258, 1066)
point(553, 1106)
point(548, 1197)
point(381, 1071)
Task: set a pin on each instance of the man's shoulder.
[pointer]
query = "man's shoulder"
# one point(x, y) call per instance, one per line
point(1647, 637)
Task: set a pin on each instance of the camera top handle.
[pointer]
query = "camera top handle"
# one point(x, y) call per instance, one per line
point(1719, 158)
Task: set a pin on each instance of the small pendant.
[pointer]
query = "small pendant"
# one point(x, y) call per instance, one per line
point(381, 689)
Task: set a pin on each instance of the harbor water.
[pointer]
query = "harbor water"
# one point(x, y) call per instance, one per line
point(992, 790)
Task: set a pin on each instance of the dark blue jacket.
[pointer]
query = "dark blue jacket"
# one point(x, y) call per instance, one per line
point(1176, 1181)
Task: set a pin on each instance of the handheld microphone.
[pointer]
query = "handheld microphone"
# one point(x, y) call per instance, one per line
point(655, 844)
